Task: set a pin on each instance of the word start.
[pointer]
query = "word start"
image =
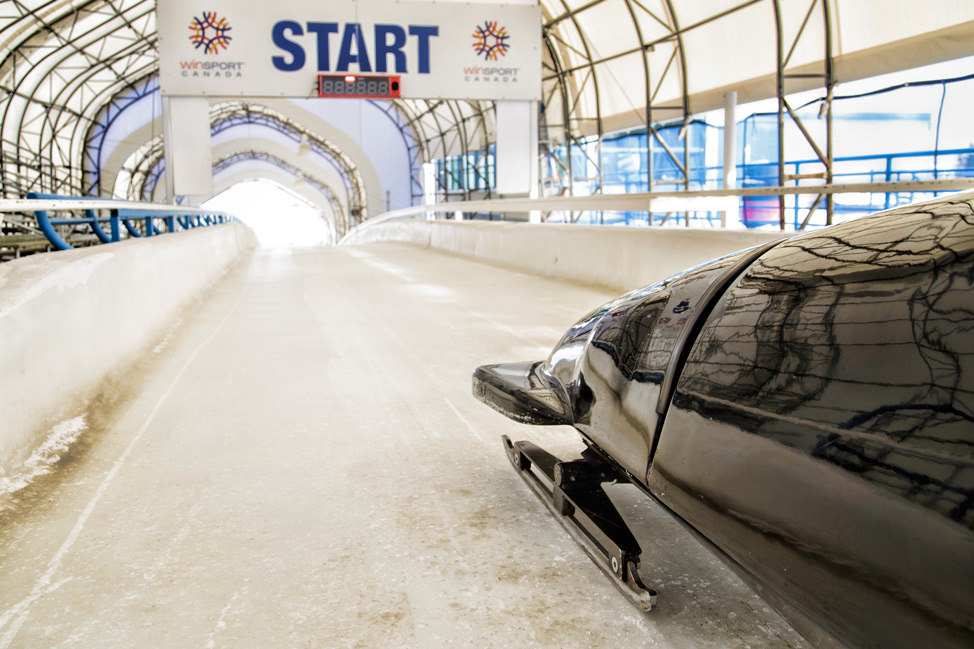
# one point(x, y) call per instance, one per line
point(389, 42)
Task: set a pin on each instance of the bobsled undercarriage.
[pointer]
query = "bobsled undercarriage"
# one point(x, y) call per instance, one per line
point(573, 491)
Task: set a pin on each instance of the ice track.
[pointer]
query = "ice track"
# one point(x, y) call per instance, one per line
point(302, 465)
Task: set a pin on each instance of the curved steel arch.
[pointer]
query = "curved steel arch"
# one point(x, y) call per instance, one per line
point(441, 128)
point(446, 123)
point(49, 137)
point(147, 168)
point(229, 114)
point(562, 78)
point(47, 100)
point(149, 165)
point(338, 209)
point(63, 61)
point(415, 148)
point(100, 127)
point(144, 173)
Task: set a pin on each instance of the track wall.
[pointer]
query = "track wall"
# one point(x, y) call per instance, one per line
point(70, 319)
point(621, 258)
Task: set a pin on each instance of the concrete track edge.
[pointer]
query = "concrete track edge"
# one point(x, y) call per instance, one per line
point(619, 258)
point(68, 320)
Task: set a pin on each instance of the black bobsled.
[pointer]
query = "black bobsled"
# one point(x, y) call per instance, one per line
point(806, 407)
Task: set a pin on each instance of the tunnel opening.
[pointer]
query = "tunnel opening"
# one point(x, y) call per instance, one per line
point(278, 216)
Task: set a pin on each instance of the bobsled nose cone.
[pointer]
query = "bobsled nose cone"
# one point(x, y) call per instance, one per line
point(522, 392)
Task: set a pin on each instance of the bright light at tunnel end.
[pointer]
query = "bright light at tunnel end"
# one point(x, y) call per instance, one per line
point(279, 218)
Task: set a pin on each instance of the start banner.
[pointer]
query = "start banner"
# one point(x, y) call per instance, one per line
point(438, 50)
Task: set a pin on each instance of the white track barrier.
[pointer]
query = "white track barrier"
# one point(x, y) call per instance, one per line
point(69, 320)
point(617, 257)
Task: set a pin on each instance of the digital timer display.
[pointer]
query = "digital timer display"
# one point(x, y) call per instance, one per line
point(347, 85)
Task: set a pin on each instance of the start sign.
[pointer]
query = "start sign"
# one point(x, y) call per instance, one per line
point(438, 50)
point(354, 51)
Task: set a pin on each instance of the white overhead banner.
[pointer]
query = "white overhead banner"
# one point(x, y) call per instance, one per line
point(267, 48)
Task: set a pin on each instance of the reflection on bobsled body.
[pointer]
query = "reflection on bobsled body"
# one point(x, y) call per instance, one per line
point(806, 407)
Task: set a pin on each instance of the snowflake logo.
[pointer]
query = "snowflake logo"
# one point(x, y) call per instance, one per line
point(210, 33)
point(491, 40)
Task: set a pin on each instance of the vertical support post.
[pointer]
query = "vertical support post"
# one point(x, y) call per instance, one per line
point(113, 222)
point(889, 177)
point(829, 95)
point(516, 153)
point(187, 150)
point(730, 219)
point(429, 187)
point(517, 147)
point(780, 77)
point(569, 143)
point(167, 147)
point(649, 128)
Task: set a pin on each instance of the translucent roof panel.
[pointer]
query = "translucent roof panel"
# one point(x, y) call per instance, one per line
point(699, 50)
point(622, 88)
point(714, 54)
point(865, 24)
point(608, 28)
point(63, 62)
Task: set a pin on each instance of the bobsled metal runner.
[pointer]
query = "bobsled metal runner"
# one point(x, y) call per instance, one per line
point(806, 408)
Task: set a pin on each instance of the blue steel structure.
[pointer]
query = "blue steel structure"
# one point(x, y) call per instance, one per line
point(921, 145)
point(624, 160)
point(98, 132)
point(137, 222)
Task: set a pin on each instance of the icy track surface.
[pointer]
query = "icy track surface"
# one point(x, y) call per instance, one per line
point(302, 464)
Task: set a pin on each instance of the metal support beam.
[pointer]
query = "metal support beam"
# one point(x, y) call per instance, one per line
point(783, 59)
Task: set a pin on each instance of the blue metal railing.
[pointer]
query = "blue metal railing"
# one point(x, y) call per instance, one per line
point(758, 211)
point(877, 168)
point(153, 219)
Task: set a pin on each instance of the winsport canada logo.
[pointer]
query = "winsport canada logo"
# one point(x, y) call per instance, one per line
point(210, 33)
point(491, 40)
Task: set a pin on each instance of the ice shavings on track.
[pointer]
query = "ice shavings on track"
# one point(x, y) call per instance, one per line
point(42, 460)
point(165, 341)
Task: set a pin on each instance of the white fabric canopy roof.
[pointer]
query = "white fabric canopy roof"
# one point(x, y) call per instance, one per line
point(609, 65)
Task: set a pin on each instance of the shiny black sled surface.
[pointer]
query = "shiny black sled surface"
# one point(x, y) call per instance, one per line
point(808, 408)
